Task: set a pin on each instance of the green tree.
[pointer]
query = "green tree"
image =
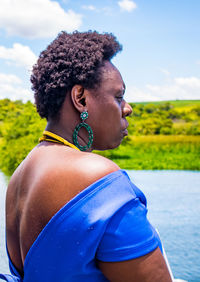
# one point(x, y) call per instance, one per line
point(20, 135)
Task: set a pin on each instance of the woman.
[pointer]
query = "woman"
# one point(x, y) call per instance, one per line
point(72, 215)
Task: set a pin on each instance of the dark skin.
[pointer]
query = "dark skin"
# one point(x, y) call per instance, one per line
point(52, 174)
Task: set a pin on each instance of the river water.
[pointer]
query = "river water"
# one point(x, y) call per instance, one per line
point(173, 199)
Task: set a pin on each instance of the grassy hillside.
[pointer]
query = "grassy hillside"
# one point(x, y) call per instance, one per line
point(157, 152)
point(175, 103)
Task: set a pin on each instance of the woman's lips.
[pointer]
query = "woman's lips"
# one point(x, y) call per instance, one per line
point(125, 132)
point(126, 124)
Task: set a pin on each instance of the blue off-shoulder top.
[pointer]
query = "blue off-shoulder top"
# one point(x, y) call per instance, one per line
point(106, 221)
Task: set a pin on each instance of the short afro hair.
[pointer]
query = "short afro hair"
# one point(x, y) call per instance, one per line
point(74, 58)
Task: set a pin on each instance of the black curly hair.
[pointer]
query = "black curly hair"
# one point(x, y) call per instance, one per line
point(74, 58)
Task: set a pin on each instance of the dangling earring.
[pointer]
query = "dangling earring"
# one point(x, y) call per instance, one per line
point(83, 116)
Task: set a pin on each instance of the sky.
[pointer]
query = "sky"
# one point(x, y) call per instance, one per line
point(161, 43)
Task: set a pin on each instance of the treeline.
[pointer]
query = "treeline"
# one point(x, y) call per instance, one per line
point(165, 119)
point(21, 127)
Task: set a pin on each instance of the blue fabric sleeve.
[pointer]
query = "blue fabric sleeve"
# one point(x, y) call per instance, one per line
point(128, 234)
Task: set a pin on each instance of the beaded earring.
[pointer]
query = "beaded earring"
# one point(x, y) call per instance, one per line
point(83, 116)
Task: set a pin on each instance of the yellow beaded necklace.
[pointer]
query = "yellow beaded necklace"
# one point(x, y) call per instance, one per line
point(51, 137)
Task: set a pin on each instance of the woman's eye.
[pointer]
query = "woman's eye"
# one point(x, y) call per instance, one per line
point(120, 98)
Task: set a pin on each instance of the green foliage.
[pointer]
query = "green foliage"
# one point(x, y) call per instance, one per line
point(175, 103)
point(159, 135)
point(157, 152)
point(20, 129)
point(165, 119)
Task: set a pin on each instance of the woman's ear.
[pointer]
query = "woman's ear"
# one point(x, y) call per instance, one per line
point(78, 97)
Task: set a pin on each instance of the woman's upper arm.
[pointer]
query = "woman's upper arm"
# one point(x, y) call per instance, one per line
point(148, 268)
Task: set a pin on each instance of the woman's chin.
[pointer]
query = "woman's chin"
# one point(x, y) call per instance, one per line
point(110, 146)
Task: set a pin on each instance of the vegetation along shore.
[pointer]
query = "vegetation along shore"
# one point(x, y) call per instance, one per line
point(162, 135)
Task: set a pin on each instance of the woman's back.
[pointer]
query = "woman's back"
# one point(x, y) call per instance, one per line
point(48, 178)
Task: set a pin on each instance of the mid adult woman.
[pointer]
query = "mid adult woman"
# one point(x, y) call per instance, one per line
point(72, 215)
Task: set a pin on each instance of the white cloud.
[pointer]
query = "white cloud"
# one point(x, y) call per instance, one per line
point(89, 7)
point(9, 78)
point(11, 87)
point(106, 10)
point(135, 94)
point(190, 82)
point(181, 88)
point(165, 72)
point(127, 5)
point(19, 54)
point(36, 18)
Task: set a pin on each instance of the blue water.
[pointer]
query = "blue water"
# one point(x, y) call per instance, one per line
point(174, 209)
point(173, 199)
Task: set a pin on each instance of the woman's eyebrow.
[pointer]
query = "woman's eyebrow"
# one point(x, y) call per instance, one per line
point(120, 91)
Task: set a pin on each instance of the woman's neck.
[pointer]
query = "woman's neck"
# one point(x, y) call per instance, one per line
point(66, 132)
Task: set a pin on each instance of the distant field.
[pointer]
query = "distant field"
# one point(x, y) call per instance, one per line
point(176, 103)
point(157, 152)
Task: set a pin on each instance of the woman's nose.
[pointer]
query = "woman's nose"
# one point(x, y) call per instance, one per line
point(127, 110)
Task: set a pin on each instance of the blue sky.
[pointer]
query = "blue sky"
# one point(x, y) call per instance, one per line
point(161, 42)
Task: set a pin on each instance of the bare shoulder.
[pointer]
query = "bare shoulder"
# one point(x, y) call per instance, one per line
point(81, 169)
point(69, 165)
point(60, 175)
point(94, 166)
point(75, 168)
